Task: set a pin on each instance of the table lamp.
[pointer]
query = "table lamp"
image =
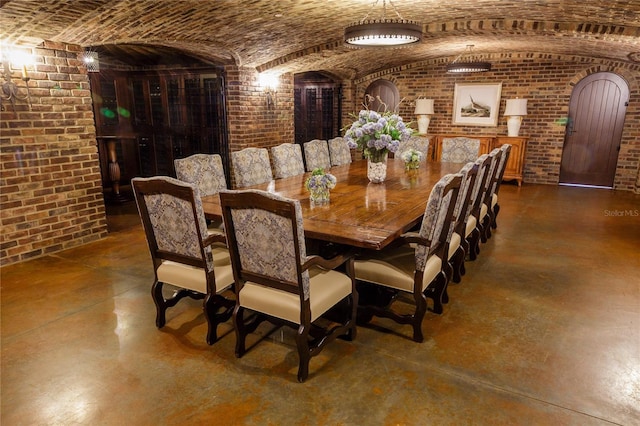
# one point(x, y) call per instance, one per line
point(424, 110)
point(515, 110)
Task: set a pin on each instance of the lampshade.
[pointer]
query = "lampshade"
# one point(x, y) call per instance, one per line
point(383, 32)
point(515, 107)
point(424, 107)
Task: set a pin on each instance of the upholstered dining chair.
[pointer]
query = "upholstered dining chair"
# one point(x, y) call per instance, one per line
point(184, 255)
point(473, 227)
point(457, 247)
point(251, 166)
point(316, 155)
point(277, 280)
point(495, 207)
point(339, 151)
point(460, 149)
point(206, 172)
point(287, 160)
point(486, 214)
point(420, 144)
point(413, 264)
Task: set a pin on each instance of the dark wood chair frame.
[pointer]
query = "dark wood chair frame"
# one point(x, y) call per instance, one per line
point(380, 306)
point(217, 309)
point(506, 153)
point(472, 246)
point(310, 338)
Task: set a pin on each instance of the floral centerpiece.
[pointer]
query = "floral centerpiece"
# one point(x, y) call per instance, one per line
point(319, 185)
point(412, 158)
point(377, 134)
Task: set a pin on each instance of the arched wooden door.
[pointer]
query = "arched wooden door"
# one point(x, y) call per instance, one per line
point(385, 91)
point(592, 141)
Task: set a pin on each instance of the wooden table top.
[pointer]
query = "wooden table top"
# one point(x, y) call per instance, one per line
point(360, 214)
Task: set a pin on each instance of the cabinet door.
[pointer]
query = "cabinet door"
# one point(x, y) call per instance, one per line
point(515, 165)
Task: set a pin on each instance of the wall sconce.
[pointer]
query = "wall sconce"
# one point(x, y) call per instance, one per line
point(515, 110)
point(269, 84)
point(424, 110)
point(91, 60)
point(10, 90)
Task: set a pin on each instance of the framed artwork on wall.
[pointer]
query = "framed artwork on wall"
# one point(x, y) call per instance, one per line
point(476, 104)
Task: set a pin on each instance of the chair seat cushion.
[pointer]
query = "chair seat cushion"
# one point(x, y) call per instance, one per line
point(471, 225)
point(193, 278)
point(494, 200)
point(455, 243)
point(326, 287)
point(396, 269)
point(484, 210)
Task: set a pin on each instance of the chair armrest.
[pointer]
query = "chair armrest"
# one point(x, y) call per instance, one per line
point(413, 238)
point(331, 263)
point(214, 238)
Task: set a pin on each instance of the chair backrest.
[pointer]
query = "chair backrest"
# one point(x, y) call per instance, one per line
point(420, 144)
point(494, 170)
point(251, 167)
point(205, 171)
point(502, 165)
point(316, 155)
point(437, 218)
point(266, 240)
point(460, 149)
point(480, 186)
point(339, 151)
point(461, 211)
point(287, 160)
point(173, 221)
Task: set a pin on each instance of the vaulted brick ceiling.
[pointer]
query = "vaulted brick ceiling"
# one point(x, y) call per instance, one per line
point(306, 35)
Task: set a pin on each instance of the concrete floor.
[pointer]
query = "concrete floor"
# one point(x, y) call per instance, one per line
point(544, 329)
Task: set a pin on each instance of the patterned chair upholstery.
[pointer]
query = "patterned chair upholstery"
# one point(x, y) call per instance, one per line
point(460, 150)
point(316, 155)
point(339, 151)
point(206, 172)
point(287, 160)
point(474, 228)
point(495, 207)
point(276, 278)
point(183, 254)
point(415, 263)
point(420, 144)
point(457, 246)
point(251, 167)
point(496, 171)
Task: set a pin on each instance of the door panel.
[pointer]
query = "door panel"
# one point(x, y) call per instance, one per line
point(592, 140)
point(386, 96)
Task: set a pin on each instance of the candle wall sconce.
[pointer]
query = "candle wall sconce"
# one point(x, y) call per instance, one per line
point(10, 90)
point(269, 84)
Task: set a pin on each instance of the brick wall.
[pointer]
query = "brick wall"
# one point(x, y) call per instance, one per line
point(250, 122)
point(545, 80)
point(50, 188)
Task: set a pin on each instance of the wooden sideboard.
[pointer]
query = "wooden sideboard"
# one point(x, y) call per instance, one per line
point(515, 165)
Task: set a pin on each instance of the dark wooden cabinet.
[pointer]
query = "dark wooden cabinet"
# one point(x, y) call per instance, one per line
point(150, 119)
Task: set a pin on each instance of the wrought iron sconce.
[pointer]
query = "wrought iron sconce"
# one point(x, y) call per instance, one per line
point(10, 90)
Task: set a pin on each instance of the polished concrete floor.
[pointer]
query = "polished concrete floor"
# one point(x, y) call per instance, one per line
point(544, 329)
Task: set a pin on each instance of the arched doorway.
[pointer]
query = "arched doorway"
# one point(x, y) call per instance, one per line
point(382, 91)
point(592, 140)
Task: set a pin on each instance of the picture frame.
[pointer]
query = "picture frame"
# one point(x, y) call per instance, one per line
point(476, 104)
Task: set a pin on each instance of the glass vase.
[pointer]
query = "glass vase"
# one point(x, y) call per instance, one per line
point(377, 166)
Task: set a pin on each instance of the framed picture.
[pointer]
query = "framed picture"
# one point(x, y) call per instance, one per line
point(476, 104)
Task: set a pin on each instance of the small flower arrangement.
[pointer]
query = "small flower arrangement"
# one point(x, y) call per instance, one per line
point(319, 184)
point(412, 158)
point(377, 134)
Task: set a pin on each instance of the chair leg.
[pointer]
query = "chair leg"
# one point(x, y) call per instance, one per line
point(241, 330)
point(212, 304)
point(304, 355)
point(435, 291)
point(162, 304)
point(474, 244)
point(421, 308)
point(458, 264)
point(496, 210)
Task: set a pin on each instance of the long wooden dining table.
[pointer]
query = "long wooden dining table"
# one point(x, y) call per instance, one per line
point(359, 214)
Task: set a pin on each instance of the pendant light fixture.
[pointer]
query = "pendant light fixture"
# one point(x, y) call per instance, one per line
point(459, 65)
point(383, 32)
